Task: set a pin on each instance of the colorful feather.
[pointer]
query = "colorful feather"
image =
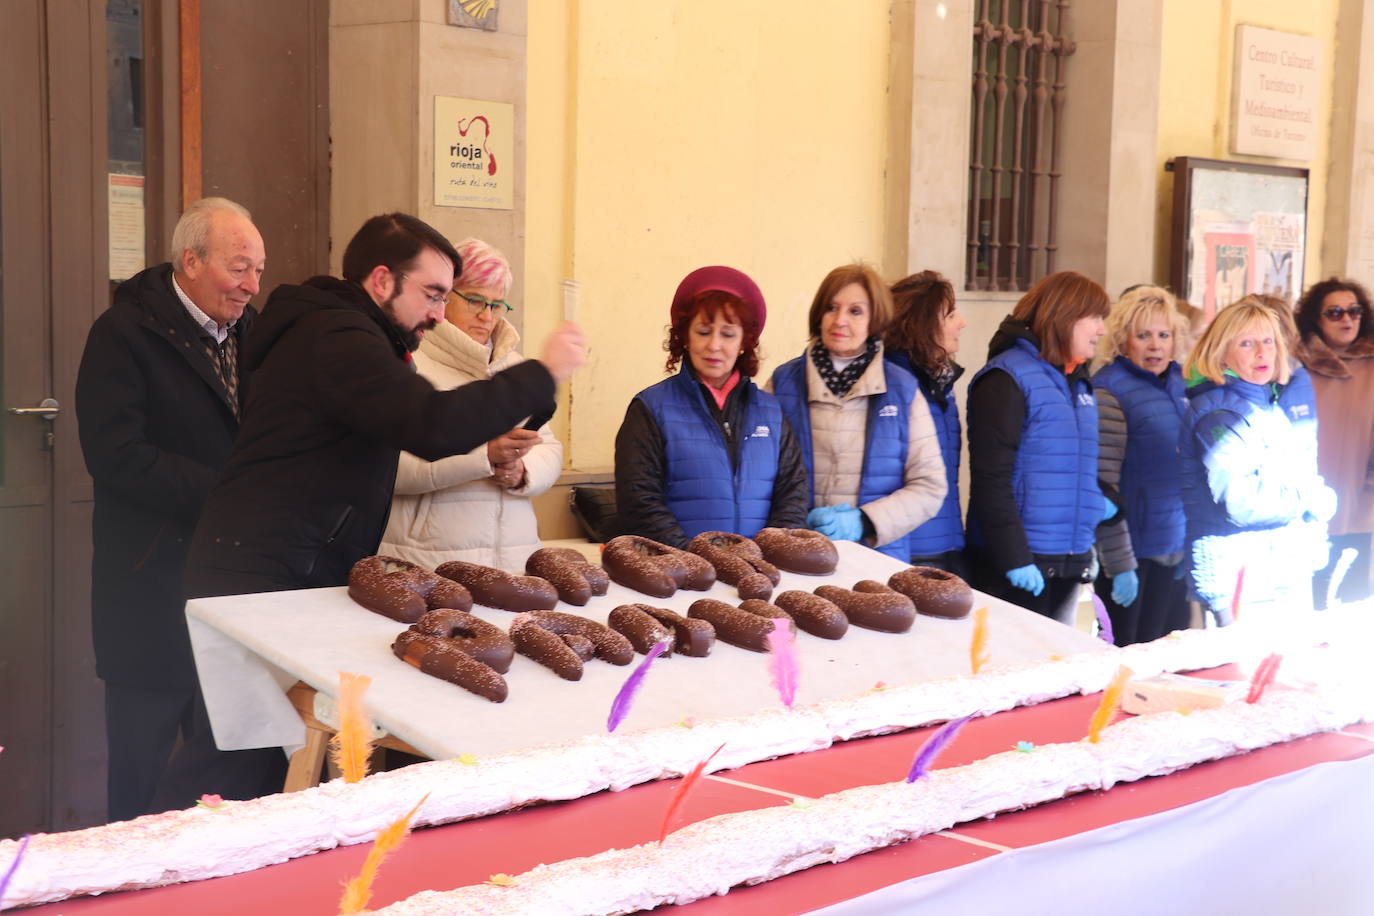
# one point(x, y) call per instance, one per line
point(977, 647)
point(1235, 596)
point(1111, 697)
point(782, 660)
point(1104, 620)
point(688, 783)
point(351, 746)
point(1343, 564)
point(358, 891)
point(920, 765)
point(14, 866)
point(624, 699)
point(1264, 676)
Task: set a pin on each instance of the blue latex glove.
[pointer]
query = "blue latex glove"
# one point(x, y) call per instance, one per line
point(848, 524)
point(1028, 578)
point(1125, 586)
point(1108, 508)
point(820, 518)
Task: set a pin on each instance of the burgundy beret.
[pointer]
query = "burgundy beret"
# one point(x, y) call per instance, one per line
point(721, 279)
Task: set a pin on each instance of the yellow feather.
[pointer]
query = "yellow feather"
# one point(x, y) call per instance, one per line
point(358, 891)
point(1110, 698)
point(351, 746)
point(977, 648)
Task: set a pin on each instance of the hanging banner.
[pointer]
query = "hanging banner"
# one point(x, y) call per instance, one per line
point(474, 153)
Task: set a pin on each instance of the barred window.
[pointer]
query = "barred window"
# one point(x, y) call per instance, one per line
point(1020, 56)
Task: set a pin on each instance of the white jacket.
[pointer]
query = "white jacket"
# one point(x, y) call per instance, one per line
point(838, 434)
point(452, 509)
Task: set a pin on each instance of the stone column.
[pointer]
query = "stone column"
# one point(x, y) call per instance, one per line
point(1348, 249)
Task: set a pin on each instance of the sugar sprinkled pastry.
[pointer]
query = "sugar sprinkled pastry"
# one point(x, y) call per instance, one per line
point(655, 569)
point(738, 562)
point(402, 591)
point(575, 578)
point(935, 592)
point(495, 588)
point(872, 605)
point(798, 550)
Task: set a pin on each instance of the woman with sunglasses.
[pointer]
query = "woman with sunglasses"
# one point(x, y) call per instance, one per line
point(1338, 349)
point(474, 507)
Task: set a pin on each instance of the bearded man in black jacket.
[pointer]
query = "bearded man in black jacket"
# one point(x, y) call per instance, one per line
point(157, 404)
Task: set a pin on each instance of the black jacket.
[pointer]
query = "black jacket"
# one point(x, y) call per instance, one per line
point(155, 427)
point(334, 400)
point(641, 503)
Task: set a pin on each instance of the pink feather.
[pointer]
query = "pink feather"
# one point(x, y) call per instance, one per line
point(782, 660)
point(624, 699)
point(1264, 676)
point(920, 767)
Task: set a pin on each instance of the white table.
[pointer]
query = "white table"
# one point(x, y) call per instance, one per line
point(250, 648)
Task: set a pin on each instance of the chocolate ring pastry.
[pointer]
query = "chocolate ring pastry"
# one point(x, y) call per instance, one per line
point(640, 627)
point(935, 592)
point(401, 590)
point(568, 571)
point(798, 550)
point(579, 639)
point(470, 635)
point(873, 606)
point(546, 647)
point(655, 569)
point(441, 658)
point(746, 626)
point(738, 562)
point(690, 636)
point(814, 614)
point(494, 588)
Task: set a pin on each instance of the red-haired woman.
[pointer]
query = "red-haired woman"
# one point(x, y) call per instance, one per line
point(707, 450)
point(1034, 499)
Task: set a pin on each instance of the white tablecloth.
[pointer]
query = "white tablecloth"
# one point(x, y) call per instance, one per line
point(249, 648)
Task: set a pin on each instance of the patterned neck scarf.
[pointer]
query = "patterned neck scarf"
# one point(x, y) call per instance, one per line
point(839, 382)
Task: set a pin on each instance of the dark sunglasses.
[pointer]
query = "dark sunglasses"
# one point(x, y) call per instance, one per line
point(1353, 311)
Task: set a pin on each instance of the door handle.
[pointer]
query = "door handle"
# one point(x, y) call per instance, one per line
point(48, 408)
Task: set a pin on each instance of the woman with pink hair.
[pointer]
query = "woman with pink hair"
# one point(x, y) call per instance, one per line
point(474, 507)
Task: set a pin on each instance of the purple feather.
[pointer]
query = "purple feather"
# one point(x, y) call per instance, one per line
point(14, 865)
point(1104, 620)
point(782, 660)
point(620, 706)
point(920, 767)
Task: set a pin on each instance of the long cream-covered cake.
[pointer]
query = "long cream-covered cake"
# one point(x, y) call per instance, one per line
point(200, 843)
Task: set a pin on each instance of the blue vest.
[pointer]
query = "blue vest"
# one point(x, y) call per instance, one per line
point(1054, 479)
point(701, 488)
point(885, 440)
point(1150, 484)
point(945, 531)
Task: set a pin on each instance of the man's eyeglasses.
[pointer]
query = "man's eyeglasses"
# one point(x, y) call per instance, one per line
point(478, 304)
point(435, 295)
point(1335, 314)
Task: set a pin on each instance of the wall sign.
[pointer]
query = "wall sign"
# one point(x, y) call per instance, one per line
point(1276, 93)
point(474, 153)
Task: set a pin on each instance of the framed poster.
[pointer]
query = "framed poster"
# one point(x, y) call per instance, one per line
point(1238, 228)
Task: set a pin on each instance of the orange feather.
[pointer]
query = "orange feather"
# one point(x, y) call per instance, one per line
point(358, 891)
point(1111, 697)
point(351, 746)
point(688, 783)
point(977, 649)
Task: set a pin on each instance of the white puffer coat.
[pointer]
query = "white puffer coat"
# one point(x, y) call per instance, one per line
point(452, 509)
point(838, 434)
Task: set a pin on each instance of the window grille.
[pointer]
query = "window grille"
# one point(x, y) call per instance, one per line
point(1020, 52)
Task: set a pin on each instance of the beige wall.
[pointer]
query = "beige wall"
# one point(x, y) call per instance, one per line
point(1195, 98)
point(671, 134)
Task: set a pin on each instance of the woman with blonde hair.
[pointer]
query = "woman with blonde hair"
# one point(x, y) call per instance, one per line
point(474, 507)
point(1140, 404)
point(866, 434)
point(1034, 501)
point(1252, 494)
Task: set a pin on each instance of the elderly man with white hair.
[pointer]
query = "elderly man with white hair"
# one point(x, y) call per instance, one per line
point(157, 402)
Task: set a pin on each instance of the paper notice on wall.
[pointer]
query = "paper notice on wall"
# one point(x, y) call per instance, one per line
point(474, 153)
point(1278, 247)
point(127, 252)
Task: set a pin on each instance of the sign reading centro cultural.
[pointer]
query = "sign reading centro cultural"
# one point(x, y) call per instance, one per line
point(474, 153)
point(1278, 83)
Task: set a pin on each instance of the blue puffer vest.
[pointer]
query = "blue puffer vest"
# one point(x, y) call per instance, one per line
point(945, 531)
point(1150, 484)
point(1054, 479)
point(885, 445)
point(701, 488)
